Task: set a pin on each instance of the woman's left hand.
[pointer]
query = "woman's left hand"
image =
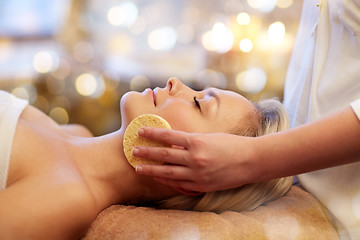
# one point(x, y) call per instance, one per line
point(197, 162)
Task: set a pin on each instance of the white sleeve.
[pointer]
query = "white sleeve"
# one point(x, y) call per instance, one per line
point(356, 107)
point(10, 110)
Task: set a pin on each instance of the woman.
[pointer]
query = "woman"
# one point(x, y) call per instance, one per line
point(60, 178)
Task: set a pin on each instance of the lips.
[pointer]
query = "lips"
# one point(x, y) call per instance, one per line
point(154, 92)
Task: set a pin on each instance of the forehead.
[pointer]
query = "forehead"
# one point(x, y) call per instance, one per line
point(233, 109)
point(227, 97)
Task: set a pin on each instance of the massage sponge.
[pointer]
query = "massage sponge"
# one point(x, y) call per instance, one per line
point(132, 139)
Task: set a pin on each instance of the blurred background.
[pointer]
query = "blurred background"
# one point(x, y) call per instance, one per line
point(74, 59)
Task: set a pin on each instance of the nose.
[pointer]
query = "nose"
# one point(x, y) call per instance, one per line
point(174, 86)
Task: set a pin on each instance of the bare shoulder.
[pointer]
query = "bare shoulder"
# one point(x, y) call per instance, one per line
point(37, 139)
point(40, 119)
point(77, 130)
point(46, 208)
point(46, 196)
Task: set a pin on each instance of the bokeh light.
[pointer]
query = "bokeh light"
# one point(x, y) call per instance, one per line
point(207, 41)
point(252, 80)
point(26, 91)
point(246, 45)
point(6, 49)
point(220, 39)
point(102, 49)
point(243, 18)
point(120, 44)
point(284, 3)
point(60, 115)
point(124, 14)
point(45, 61)
point(162, 38)
point(88, 84)
point(262, 5)
point(21, 92)
point(276, 32)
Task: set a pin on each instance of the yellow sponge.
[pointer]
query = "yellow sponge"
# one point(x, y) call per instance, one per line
point(132, 139)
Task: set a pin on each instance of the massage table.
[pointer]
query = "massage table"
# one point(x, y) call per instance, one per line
point(295, 216)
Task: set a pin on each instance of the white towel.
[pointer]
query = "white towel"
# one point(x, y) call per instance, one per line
point(10, 110)
point(356, 107)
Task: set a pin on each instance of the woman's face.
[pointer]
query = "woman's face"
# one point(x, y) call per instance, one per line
point(212, 110)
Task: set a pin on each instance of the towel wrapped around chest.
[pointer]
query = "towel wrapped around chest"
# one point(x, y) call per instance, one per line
point(11, 108)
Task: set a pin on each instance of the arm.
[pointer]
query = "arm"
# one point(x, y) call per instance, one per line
point(326, 143)
point(207, 160)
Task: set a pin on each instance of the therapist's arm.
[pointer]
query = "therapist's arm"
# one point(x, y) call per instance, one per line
point(209, 162)
point(329, 142)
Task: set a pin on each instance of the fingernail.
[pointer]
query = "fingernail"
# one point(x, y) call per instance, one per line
point(135, 151)
point(138, 168)
point(141, 131)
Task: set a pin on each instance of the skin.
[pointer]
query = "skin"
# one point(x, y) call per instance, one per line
point(61, 177)
point(207, 160)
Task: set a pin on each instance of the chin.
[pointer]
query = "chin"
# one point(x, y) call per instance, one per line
point(130, 104)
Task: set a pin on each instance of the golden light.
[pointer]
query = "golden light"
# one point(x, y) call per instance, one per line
point(284, 3)
point(252, 81)
point(162, 38)
point(206, 41)
point(276, 32)
point(60, 115)
point(246, 45)
point(243, 18)
point(262, 5)
point(120, 44)
point(21, 92)
point(44, 62)
point(27, 92)
point(6, 49)
point(86, 84)
point(123, 15)
point(220, 39)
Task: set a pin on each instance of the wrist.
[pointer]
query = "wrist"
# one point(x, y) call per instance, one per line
point(261, 159)
point(252, 161)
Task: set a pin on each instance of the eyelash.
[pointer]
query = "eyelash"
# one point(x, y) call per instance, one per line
point(197, 104)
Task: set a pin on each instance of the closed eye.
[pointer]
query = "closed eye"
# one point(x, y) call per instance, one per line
point(197, 104)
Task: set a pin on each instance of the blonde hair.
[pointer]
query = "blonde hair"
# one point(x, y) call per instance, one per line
point(269, 116)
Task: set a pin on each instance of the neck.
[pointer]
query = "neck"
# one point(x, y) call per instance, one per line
point(111, 179)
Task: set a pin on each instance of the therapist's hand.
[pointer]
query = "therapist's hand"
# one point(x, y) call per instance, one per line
point(198, 162)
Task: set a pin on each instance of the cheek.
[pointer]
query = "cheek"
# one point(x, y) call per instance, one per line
point(180, 121)
point(183, 117)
